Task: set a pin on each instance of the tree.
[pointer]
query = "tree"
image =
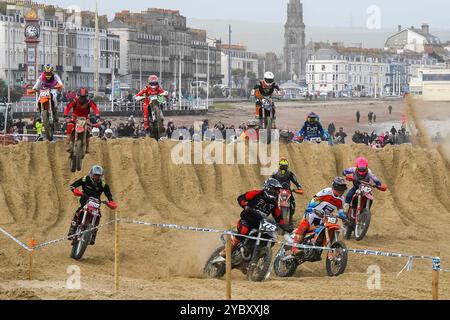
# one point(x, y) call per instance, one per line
point(252, 81)
point(16, 92)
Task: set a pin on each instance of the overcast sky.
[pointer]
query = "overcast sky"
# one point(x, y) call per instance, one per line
point(327, 13)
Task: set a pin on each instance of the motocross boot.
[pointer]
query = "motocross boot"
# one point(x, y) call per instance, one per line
point(94, 235)
point(72, 229)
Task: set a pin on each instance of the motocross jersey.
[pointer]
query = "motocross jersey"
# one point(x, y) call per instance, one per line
point(326, 202)
point(255, 200)
point(262, 91)
point(312, 130)
point(80, 110)
point(43, 83)
point(91, 190)
point(286, 179)
point(357, 178)
point(148, 91)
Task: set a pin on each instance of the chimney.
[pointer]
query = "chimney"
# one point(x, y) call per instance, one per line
point(399, 27)
point(426, 29)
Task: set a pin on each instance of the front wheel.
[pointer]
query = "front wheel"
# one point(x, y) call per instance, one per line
point(337, 259)
point(213, 268)
point(285, 268)
point(78, 154)
point(363, 224)
point(46, 124)
point(79, 246)
point(257, 271)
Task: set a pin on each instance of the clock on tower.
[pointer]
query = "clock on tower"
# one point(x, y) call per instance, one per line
point(32, 33)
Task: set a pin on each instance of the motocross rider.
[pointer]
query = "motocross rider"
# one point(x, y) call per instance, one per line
point(81, 106)
point(49, 80)
point(286, 177)
point(257, 203)
point(152, 89)
point(312, 128)
point(360, 173)
point(265, 89)
point(94, 186)
point(326, 201)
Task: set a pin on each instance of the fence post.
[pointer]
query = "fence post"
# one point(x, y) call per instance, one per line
point(435, 275)
point(228, 265)
point(116, 253)
point(32, 243)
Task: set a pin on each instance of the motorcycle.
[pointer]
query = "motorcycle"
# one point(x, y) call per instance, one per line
point(284, 203)
point(326, 235)
point(359, 213)
point(155, 115)
point(78, 142)
point(88, 219)
point(45, 109)
point(252, 257)
point(267, 117)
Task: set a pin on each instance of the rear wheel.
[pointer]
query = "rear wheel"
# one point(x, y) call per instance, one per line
point(337, 260)
point(215, 270)
point(285, 268)
point(257, 272)
point(363, 224)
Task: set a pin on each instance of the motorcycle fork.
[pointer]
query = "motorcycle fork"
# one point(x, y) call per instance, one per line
point(358, 210)
point(256, 249)
point(328, 244)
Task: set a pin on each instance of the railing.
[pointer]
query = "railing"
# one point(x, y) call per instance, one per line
point(29, 106)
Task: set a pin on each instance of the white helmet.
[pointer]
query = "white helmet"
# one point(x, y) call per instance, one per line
point(95, 132)
point(108, 133)
point(269, 77)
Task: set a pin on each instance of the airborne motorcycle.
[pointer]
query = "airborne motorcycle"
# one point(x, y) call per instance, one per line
point(359, 213)
point(252, 257)
point(325, 235)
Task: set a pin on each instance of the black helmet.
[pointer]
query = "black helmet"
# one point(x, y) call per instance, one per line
point(272, 189)
point(83, 95)
point(312, 118)
point(339, 185)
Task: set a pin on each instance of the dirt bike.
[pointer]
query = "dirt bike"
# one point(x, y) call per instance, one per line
point(45, 109)
point(78, 142)
point(325, 235)
point(359, 213)
point(88, 218)
point(267, 110)
point(155, 115)
point(284, 203)
point(252, 257)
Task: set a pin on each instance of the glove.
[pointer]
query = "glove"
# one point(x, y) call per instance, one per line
point(299, 191)
point(78, 193)
point(342, 216)
point(112, 205)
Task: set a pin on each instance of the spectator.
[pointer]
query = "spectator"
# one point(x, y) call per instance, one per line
point(170, 129)
point(373, 136)
point(374, 117)
point(358, 116)
point(38, 126)
point(331, 130)
point(393, 131)
point(390, 110)
point(366, 139)
point(357, 137)
point(340, 136)
point(370, 116)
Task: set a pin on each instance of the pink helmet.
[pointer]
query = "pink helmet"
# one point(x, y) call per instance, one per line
point(153, 80)
point(362, 166)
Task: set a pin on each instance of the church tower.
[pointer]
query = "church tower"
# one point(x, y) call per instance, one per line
point(294, 43)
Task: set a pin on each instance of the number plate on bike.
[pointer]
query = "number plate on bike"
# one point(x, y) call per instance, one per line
point(267, 226)
point(94, 204)
point(366, 189)
point(332, 219)
point(44, 94)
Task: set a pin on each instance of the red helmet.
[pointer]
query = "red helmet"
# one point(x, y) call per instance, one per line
point(362, 166)
point(153, 80)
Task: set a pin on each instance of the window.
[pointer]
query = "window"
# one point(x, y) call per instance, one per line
point(323, 67)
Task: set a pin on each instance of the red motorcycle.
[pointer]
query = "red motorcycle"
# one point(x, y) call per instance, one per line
point(284, 203)
point(78, 141)
point(88, 218)
point(359, 213)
